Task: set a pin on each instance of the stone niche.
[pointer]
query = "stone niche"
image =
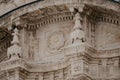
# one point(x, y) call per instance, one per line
point(52, 38)
point(108, 36)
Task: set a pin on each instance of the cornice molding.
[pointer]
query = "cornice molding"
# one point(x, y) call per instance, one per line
point(48, 20)
point(105, 17)
point(46, 3)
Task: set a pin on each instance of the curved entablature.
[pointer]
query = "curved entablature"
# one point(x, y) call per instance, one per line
point(57, 13)
point(65, 38)
point(53, 14)
point(104, 15)
point(26, 9)
point(45, 16)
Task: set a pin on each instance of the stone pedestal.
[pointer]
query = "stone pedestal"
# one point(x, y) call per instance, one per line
point(79, 62)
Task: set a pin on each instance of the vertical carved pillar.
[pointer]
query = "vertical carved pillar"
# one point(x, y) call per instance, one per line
point(48, 76)
point(41, 76)
point(24, 42)
point(109, 68)
point(17, 77)
point(31, 47)
point(51, 76)
point(7, 75)
point(14, 74)
point(104, 66)
point(79, 67)
point(116, 68)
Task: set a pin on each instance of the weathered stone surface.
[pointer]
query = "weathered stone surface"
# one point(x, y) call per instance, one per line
point(60, 40)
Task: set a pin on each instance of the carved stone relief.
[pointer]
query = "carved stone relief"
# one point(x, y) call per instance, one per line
point(56, 41)
point(53, 38)
point(32, 46)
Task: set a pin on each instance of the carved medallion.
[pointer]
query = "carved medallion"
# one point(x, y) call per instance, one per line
point(56, 41)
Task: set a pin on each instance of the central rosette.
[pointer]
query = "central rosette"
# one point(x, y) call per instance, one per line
point(56, 41)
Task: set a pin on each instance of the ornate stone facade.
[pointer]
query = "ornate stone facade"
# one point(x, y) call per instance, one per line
point(59, 40)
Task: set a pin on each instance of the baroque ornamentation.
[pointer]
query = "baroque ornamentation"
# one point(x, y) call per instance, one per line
point(49, 25)
point(15, 51)
point(77, 35)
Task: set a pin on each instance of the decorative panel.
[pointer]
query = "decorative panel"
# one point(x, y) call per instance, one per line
point(52, 38)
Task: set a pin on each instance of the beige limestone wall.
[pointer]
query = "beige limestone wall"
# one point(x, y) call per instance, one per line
point(8, 5)
point(108, 36)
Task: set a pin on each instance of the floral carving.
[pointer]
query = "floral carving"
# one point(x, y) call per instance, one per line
point(56, 40)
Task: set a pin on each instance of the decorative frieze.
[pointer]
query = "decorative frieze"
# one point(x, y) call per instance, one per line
point(25, 9)
point(105, 17)
point(48, 20)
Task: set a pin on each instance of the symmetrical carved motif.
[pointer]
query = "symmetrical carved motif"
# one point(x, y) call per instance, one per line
point(77, 35)
point(56, 40)
point(15, 51)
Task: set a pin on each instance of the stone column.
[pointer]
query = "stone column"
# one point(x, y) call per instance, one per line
point(51, 76)
point(24, 42)
point(7, 75)
point(41, 76)
point(104, 66)
point(17, 77)
point(14, 54)
point(14, 74)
